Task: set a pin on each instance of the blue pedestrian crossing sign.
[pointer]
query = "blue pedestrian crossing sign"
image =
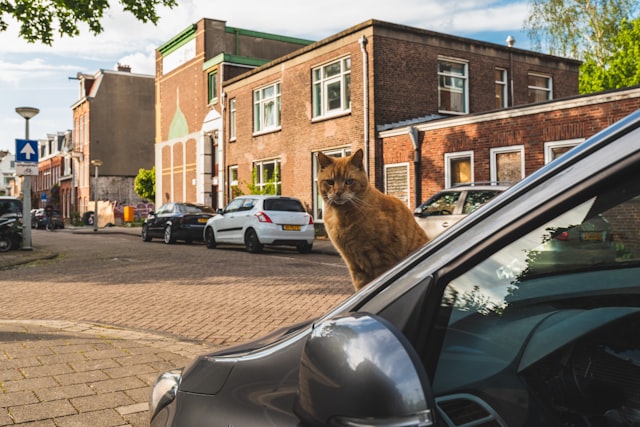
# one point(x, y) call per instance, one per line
point(26, 151)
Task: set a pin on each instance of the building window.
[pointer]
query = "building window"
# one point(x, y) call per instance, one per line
point(554, 149)
point(266, 179)
point(232, 119)
point(213, 87)
point(507, 164)
point(452, 87)
point(318, 208)
point(332, 88)
point(539, 88)
point(266, 108)
point(396, 181)
point(234, 190)
point(501, 88)
point(458, 168)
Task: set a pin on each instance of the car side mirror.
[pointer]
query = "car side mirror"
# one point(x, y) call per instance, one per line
point(220, 211)
point(359, 368)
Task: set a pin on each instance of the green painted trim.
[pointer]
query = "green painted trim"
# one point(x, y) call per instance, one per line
point(183, 37)
point(236, 59)
point(240, 31)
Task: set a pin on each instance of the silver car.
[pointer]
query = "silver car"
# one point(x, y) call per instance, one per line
point(449, 206)
point(258, 220)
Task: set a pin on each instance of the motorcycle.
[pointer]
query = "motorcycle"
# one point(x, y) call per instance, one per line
point(10, 233)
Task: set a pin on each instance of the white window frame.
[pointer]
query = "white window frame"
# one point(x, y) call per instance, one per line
point(232, 182)
point(548, 89)
point(454, 83)
point(549, 146)
point(232, 119)
point(258, 166)
point(264, 118)
point(405, 165)
point(447, 165)
point(321, 84)
point(495, 152)
point(502, 84)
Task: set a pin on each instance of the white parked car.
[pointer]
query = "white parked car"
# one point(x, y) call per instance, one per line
point(258, 220)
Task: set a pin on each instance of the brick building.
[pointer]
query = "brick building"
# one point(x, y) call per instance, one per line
point(190, 69)
point(504, 145)
point(114, 122)
point(333, 96)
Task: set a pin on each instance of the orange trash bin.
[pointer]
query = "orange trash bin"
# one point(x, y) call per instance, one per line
point(128, 213)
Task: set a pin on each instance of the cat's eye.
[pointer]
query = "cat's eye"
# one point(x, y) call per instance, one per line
point(329, 181)
point(348, 181)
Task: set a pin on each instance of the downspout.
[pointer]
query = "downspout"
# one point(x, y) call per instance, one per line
point(417, 165)
point(365, 100)
point(221, 146)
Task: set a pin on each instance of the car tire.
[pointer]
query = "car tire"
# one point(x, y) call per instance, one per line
point(169, 238)
point(210, 238)
point(252, 242)
point(5, 243)
point(304, 247)
point(145, 234)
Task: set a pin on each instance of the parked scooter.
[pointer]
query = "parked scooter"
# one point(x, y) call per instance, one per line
point(10, 233)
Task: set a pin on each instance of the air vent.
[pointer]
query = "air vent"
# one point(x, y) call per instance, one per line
point(467, 410)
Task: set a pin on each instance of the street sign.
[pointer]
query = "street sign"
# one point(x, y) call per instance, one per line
point(23, 169)
point(26, 151)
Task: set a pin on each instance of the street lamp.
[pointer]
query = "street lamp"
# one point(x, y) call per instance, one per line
point(97, 164)
point(26, 113)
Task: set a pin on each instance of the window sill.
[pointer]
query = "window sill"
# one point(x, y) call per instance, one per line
point(331, 116)
point(267, 131)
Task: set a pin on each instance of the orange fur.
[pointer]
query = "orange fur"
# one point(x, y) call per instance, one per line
point(371, 230)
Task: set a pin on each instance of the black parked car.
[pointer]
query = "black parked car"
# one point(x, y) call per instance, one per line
point(466, 331)
point(177, 221)
point(39, 219)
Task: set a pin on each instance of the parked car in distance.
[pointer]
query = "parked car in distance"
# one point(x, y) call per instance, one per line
point(449, 206)
point(462, 332)
point(258, 220)
point(177, 221)
point(39, 219)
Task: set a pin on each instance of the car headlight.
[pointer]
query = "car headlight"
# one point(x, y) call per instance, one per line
point(164, 390)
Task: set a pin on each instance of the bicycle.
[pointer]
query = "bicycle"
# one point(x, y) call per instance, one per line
point(50, 225)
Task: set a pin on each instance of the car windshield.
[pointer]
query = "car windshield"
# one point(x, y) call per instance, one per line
point(563, 280)
point(286, 205)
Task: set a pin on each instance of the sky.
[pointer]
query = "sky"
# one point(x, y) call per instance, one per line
point(37, 75)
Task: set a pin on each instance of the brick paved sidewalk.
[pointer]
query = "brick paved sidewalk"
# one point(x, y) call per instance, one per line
point(59, 373)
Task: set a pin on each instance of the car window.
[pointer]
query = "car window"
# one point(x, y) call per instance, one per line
point(441, 204)
point(248, 204)
point(187, 208)
point(477, 198)
point(10, 206)
point(234, 205)
point(546, 305)
point(285, 205)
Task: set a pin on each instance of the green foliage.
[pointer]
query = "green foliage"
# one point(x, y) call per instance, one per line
point(575, 28)
point(38, 19)
point(622, 66)
point(271, 184)
point(145, 184)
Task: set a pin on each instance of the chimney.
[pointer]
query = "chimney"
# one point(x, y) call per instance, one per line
point(125, 68)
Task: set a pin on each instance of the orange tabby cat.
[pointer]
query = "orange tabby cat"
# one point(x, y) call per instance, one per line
point(371, 230)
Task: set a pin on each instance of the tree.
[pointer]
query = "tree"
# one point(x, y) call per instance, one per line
point(575, 28)
point(38, 19)
point(145, 184)
point(622, 66)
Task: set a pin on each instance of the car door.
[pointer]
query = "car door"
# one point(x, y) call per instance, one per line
point(226, 224)
point(440, 212)
point(157, 221)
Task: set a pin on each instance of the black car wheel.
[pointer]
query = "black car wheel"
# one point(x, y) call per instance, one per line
point(5, 243)
point(251, 241)
point(304, 247)
point(145, 233)
point(210, 238)
point(168, 235)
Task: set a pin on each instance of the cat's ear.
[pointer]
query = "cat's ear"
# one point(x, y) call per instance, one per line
point(324, 160)
point(356, 159)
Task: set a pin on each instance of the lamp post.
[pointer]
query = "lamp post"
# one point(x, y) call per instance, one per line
point(26, 113)
point(97, 164)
